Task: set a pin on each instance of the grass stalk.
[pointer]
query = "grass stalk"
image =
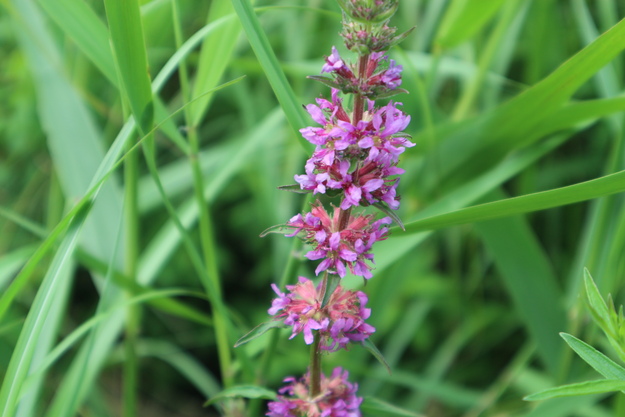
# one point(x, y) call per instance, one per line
point(205, 222)
point(131, 211)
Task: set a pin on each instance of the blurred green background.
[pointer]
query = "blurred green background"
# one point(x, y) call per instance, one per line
point(111, 316)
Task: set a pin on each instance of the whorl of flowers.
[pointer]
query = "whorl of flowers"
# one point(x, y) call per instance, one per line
point(336, 399)
point(337, 247)
point(355, 159)
point(358, 160)
point(340, 321)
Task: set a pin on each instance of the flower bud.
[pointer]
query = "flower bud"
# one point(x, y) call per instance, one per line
point(369, 11)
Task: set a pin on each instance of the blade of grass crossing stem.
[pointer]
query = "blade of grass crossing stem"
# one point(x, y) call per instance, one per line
point(126, 32)
point(267, 58)
point(463, 19)
point(73, 338)
point(588, 190)
point(51, 287)
point(28, 399)
point(530, 281)
point(168, 237)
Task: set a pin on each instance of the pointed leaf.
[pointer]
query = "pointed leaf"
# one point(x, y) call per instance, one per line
point(597, 305)
point(259, 330)
point(294, 188)
point(583, 388)
point(325, 81)
point(245, 391)
point(384, 208)
point(368, 344)
point(601, 363)
point(278, 228)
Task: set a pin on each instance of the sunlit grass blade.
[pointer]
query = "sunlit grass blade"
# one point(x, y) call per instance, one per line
point(463, 19)
point(126, 31)
point(267, 58)
point(610, 184)
point(21, 359)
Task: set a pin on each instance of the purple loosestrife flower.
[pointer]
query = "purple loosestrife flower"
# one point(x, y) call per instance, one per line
point(337, 398)
point(337, 248)
point(341, 321)
point(358, 160)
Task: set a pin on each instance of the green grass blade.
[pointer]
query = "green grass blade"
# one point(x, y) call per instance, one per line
point(260, 44)
point(610, 184)
point(11, 262)
point(21, 359)
point(80, 23)
point(126, 32)
point(214, 56)
point(463, 19)
point(400, 243)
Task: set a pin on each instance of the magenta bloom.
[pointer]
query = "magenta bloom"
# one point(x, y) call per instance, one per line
point(336, 399)
point(338, 248)
point(341, 321)
point(360, 160)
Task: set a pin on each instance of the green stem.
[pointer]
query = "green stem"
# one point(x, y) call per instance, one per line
point(205, 224)
point(131, 214)
point(315, 366)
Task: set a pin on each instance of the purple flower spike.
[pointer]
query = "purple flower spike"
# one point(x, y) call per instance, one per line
point(339, 322)
point(337, 398)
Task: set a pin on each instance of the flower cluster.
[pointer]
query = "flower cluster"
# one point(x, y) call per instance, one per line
point(375, 82)
point(340, 321)
point(336, 399)
point(338, 246)
point(358, 160)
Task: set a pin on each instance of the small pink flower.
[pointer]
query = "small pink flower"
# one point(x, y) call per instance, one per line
point(350, 246)
point(339, 322)
point(337, 398)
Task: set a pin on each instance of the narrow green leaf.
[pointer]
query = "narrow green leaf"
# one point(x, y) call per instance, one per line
point(373, 349)
point(376, 407)
point(243, 391)
point(11, 262)
point(597, 304)
point(267, 58)
point(126, 30)
point(608, 185)
point(294, 188)
point(259, 331)
point(601, 363)
point(215, 54)
point(81, 24)
point(71, 339)
point(463, 19)
point(582, 388)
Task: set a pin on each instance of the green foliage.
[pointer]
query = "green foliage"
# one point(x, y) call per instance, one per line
point(136, 272)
